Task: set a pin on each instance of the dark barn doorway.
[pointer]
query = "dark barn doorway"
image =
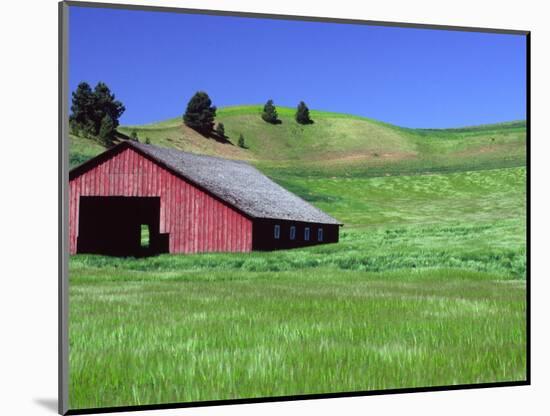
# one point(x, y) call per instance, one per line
point(120, 226)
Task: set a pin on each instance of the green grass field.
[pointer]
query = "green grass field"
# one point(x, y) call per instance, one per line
point(425, 288)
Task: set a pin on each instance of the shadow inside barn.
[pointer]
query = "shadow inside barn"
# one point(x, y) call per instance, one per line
point(120, 226)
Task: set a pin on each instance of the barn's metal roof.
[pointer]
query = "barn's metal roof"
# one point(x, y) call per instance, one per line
point(239, 184)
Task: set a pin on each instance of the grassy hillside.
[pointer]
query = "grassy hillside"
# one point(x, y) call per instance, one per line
point(81, 149)
point(338, 144)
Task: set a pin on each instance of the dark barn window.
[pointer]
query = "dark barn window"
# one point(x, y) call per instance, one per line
point(280, 234)
point(277, 232)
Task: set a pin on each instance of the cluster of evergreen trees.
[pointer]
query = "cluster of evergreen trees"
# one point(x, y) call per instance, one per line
point(270, 115)
point(200, 115)
point(95, 113)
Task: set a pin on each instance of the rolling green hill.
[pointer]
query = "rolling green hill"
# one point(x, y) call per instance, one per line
point(335, 144)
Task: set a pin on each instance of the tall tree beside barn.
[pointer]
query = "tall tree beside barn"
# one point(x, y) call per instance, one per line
point(200, 113)
point(269, 114)
point(81, 110)
point(302, 114)
point(105, 104)
point(95, 113)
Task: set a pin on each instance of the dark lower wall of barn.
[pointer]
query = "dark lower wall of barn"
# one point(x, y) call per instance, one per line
point(264, 234)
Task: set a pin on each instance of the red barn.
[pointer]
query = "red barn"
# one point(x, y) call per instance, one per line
point(186, 203)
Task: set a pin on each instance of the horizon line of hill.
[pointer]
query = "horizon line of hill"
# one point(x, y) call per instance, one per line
point(313, 112)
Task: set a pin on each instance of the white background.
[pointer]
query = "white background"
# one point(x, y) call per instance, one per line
point(28, 204)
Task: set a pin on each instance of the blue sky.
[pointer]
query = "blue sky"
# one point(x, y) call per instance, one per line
point(155, 61)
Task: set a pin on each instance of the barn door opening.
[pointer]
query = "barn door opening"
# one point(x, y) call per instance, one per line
point(120, 226)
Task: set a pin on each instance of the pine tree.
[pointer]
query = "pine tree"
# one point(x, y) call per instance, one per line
point(200, 113)
point(269, 114)
point(89, 108)
point(81, 110)
point(241, 141)
point(220, 130)
point(302, 114)
point(105, 104)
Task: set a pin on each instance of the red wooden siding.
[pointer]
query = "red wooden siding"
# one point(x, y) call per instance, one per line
point(196, 221)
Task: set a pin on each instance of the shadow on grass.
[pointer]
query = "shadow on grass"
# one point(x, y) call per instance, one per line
point(213, 135)
point(220, 139)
